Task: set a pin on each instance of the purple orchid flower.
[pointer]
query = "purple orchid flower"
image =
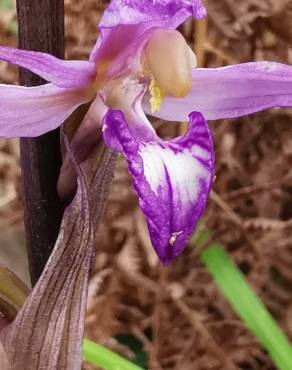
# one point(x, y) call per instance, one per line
point(139, 64)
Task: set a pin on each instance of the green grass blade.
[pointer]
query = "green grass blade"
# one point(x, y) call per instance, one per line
point(104, 358)
point(246, 304)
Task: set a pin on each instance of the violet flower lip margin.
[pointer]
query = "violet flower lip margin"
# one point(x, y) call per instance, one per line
point(172, 178)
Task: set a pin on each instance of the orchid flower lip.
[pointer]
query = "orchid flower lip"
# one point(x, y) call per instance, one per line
point(172, 179)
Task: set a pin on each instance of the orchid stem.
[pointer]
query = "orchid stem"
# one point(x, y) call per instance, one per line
point(41, 28)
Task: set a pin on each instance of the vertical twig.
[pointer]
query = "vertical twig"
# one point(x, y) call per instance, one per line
point(157, 317)
point(41, 28)
point(201, 27)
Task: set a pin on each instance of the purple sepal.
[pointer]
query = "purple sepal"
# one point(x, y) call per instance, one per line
point(127, 25)
point(232, 91)
point(33, 111)
point(168, 14)
point(172, 179)
point(62, 73)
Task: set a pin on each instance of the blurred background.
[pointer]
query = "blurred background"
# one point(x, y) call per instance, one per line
point(175, 318)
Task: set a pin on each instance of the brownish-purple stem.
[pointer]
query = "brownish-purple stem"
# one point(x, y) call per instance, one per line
point(41, 28)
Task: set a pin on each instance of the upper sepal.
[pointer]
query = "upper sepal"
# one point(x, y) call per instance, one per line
point(171, 13)
point(172, 179)
point(126, 26)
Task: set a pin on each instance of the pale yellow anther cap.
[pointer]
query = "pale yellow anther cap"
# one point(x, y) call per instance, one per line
point(170, 60)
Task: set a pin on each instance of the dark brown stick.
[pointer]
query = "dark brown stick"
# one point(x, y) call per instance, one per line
point(41, 28)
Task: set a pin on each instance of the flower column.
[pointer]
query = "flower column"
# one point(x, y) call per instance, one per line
point(41, 28)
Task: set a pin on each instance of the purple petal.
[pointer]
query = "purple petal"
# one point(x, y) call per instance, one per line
point(63, 73)
point(172, 180)
point(127, 24)
point(33, 111)
point(232, 91)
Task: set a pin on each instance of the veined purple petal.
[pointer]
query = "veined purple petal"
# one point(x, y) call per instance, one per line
point(172, 180)
point(33, 111)
point(63, 73)
point(127, 24)
point(232, 91)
